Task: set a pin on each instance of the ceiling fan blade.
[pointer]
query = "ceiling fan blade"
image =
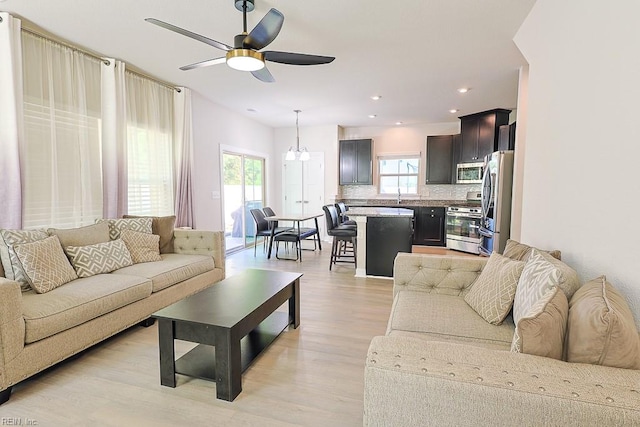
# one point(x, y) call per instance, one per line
point(266, 30)
point(206, 63)
point(296, 58)
point(263, 75)
point(188, 33)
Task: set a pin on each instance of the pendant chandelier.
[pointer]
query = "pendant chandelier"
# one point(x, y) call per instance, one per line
point(300, 154)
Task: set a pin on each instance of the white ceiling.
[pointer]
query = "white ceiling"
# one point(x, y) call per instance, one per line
point(414, 53)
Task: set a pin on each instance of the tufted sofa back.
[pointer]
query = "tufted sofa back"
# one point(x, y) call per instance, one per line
point(196, 242)
point(441, 274)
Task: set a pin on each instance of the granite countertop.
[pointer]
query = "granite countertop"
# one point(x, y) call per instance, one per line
point(380, 212)
point(353, 203)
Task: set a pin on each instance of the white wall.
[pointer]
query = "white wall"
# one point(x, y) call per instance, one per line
point(581, 185)
point(213, 126)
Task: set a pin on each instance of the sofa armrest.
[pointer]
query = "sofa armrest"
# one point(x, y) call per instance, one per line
point(11, 324)
point(412, 381)
point(198, 242)
point(443, 274)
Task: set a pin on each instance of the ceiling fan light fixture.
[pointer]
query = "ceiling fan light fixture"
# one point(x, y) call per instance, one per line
point(245, 60)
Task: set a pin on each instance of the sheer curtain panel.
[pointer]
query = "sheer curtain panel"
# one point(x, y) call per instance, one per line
point(149, 107)
point(183, 157)
point(114, 138)
point(61, 162)
point(11, 132)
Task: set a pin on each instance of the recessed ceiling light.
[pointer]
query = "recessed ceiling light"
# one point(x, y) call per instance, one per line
point(372, 116)
point(252, 110)
point(453, 111)
point(463, 90)
point(376, 97)
point(398, 123)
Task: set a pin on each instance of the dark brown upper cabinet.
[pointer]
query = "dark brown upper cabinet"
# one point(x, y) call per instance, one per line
point(356, 162)
point(439, 159)
point(480, 132)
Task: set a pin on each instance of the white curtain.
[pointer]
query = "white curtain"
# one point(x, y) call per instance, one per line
point(183, 138)
point(149, 107)
point(11, 132)
point(61, 162)
point(114, 138)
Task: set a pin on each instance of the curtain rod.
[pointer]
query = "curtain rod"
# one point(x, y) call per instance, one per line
point(93, 55)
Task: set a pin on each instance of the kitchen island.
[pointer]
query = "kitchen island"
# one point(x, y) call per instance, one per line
point(382, 233)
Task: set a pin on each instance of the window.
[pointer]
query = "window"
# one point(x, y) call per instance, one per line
point(62, 151)
point(398, 173)
point(149, 147)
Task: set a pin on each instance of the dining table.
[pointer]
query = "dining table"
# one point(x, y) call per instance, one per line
point(296, 219)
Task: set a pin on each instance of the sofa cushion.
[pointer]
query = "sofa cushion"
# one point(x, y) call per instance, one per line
point(45, 264)
point(143, 247)
point(601, 329)
point(12, 268)
point(539, 311)
point(162, 226)
point(521, 252)
point(116, 226)
point(173, 268)
point(445, 318)
point(79, 301)
point(81, 236)
point(491, 296)
point(99, 258)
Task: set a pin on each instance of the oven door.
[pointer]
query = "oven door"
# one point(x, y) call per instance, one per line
point(463, 232)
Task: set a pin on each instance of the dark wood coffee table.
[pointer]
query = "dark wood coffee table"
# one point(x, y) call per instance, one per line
point(233, 321)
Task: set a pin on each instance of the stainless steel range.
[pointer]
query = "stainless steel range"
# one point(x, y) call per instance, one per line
point(463, 226)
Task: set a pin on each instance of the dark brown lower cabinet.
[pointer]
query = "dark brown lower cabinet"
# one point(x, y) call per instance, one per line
point(429, 226)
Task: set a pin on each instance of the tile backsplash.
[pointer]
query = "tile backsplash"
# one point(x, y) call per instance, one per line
point(426, 192)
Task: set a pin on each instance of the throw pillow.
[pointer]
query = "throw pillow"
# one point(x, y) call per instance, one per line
point(116, 226)
point(491, 296)
point(522, 252)
point(99, 258)
point(82, 236)
point(162, 226)
point(45, 264)
point(601, 329)
point(143, 247)
point(540, 309)
point(12, 268)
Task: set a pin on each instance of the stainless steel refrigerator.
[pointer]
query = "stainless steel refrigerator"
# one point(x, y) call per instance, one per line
point(497, 182)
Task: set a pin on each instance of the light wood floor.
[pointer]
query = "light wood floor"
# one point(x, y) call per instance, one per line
point(312, 375)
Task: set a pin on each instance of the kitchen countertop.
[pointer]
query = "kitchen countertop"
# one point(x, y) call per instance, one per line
point(380, 212)
point(353, 203)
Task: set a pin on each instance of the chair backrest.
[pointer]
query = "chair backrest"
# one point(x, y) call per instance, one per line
point(341, 208)
point(268, 211)
point(331, 216)
point(261, 223)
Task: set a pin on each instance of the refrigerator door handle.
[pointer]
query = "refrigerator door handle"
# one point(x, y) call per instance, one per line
point(485, 233)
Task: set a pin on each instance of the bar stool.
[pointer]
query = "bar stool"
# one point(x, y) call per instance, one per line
point(340, 233)
point(343, 219)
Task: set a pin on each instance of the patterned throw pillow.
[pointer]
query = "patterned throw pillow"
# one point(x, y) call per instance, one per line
point(142, 246)
point(99, 258)
point(601, 329)
point(491, 296)
point(116, 226)
point(540, 309)
point(12, 268)
point(45, 264)
point(162, 226)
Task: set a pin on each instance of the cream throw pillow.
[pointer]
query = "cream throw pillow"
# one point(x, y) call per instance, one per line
point(99, 258)
point(45, 264)
point(522, 252)
point(143, 247)
point(540, 309)
point(12, 268)
point(601, 329)
point(491, 296)
point(116, 226)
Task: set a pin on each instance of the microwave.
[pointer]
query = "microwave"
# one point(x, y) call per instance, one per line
point(469, 173)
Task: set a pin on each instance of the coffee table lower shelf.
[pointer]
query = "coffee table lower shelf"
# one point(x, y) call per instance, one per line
point(200, 362)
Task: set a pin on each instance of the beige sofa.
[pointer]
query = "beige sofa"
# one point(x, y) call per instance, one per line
point(40, 330)
point(442, 364)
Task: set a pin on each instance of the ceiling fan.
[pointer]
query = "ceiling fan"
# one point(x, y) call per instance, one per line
point(244, 55)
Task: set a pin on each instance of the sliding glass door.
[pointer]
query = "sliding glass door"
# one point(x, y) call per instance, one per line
point(243, 179)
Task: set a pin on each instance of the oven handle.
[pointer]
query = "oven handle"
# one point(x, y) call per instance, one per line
point(465, 215)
